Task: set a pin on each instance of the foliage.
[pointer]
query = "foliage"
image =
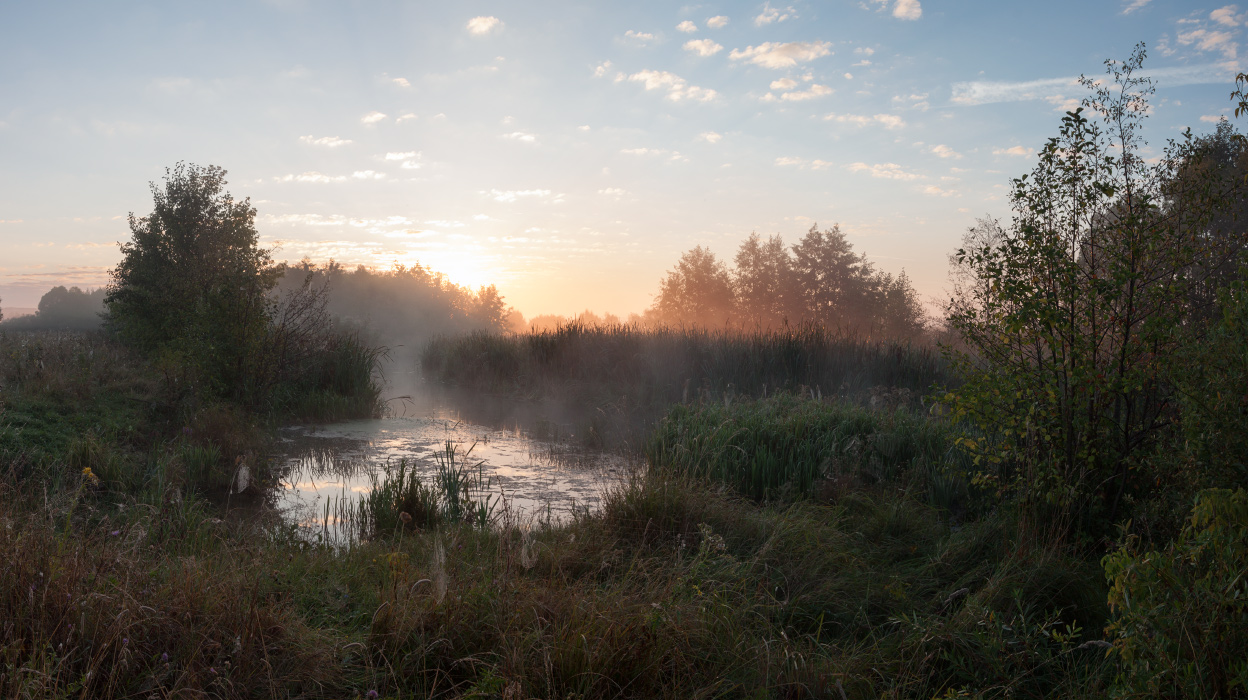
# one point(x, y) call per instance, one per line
point(1181, 622)
point(1069, 313)
point(192, 285)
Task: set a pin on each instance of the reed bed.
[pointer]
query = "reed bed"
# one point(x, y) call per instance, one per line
point(620, 379)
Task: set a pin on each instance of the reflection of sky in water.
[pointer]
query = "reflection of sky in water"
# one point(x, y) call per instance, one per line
point(327, 467)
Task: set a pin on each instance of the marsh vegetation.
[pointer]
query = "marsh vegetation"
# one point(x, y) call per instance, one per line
point(1050, 505)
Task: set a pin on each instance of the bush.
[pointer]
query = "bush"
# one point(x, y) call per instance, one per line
point(1181, 625)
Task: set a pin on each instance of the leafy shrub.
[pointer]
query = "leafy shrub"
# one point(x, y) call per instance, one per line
point(1181, 625)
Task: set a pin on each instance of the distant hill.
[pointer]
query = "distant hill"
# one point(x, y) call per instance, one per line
point(18, 311)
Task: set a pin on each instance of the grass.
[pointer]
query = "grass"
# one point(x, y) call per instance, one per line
point(618, 380)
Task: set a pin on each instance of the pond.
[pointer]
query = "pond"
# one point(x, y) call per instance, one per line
point(530, 465)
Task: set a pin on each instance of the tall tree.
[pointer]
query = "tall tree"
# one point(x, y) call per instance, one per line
point(767, 292)
point(835, 281)
point(194, 281)
point(698, 291)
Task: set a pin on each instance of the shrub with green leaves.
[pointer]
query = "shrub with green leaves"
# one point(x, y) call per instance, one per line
point(1181, 625)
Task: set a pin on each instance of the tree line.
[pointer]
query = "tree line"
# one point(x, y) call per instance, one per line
point(819, 280)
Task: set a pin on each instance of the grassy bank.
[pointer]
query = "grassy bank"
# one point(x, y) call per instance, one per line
point(616, 381)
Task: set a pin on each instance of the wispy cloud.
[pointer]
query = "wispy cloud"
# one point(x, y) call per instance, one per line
point(327, 141)
point(521, 136)
point(810, 93)
point(939, 192)
point(703, 47)
point(687, 27)
point(776, 55)
point(642, 37)
point(481, 26)
point(907, 9)
point(1011, 151)
point(401, 155)
point(1226, 16)
point(717, 22)
point(710, 137)
point(793, 161)
point(943, 151)
point(311, 176)
point(1212, 118)
point(676, 87)
point(988, 92)
point(372, 118)
point(401, 82)
point(888, 121)
point(516, 195)
point(368, 175)
point(888, 171)
point(1129, 6)
point(772, 14)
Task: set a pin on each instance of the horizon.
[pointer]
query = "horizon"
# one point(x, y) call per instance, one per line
point(572, 173)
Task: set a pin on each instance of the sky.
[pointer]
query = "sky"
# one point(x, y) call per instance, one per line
point(567, 152)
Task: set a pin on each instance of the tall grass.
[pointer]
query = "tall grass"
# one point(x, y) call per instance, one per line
point(785, 445)
point(399, 501)
point(607, 373)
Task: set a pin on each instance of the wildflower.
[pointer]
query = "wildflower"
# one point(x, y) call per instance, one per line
point(125, 641)
point(164, 658)
point(372, 695)
point(114, 533)
point(90, 476)
point(186, 431)
point(405, 517)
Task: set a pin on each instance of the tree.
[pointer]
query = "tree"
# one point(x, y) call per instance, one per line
point(1071, 312)
point(698, 291)
point(766, 290)
point(193, 282)
point(833, 279)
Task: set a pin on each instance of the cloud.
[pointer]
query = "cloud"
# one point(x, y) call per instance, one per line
point(816, 164)
point(1212, 118)
point(613, 192)
point(480, 26)
point(687, 27)
point(776, 55)
point(1210, 40)
point(888, 121)
point(710, 136)
point(643, 151)
point(676, 87)
point(1130, 6)
point(404, 118)
point(809, 94)
point(521, 136)
point(326, 141)
point(783, 84)
point(514, 195)
point(944, 151)
point(1011, 151)
point(864, 51)
point(410, 165)
point(934, 190)
point(888, 171)
point(311, 176)
point(771, 14)
point(1226, 16)
point(402, 155)
point(717, 22)
point(642, 37)
point(401, 82)
point(703, 47)
point(368, 175)
point(918, 102)
point(372, 118)
point(907, 9)
point(988, 92)
point(601, 69)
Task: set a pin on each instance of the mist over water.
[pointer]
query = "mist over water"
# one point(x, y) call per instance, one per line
point(526, 455)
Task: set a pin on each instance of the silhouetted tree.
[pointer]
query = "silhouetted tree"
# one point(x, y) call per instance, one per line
point(766, 288)
point(835, 281)
point(697, 291)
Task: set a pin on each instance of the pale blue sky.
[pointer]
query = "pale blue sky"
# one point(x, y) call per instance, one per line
point(566, 151)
